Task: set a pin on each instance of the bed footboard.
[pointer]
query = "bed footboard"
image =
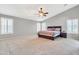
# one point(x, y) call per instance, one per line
point(47, 37)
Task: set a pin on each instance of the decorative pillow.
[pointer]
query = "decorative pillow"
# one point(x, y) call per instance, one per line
point(57, 29)
point(53, 29)
point(49, 29)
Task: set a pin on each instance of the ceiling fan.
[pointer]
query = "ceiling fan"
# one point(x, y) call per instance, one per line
point(42, 13)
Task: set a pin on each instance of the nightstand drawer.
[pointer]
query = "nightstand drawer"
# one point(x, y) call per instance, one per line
point(64, 35)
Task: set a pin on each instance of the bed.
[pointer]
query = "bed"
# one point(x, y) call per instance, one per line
point(52, 32)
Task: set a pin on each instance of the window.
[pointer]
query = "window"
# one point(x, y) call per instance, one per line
point(6, 25)
point(72, 26)
point(44, 26)
point(38, 27)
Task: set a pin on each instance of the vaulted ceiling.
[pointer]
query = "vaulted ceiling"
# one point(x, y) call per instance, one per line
point(29, 11)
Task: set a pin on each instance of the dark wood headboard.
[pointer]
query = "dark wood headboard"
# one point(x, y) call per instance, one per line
point(55, 27)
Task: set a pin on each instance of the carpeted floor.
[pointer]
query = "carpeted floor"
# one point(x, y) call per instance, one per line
point(38, 46)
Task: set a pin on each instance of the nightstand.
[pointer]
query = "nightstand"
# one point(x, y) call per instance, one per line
point(64, 35)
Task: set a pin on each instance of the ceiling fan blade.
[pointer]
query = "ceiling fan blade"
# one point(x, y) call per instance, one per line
point(46, 13)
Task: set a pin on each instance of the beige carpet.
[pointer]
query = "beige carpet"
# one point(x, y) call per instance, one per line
point(38, 46)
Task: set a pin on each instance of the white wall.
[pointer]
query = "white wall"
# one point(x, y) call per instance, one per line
point(22, 27)
point(60, 20)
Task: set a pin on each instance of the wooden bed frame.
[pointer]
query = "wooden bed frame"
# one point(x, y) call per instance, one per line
point(50, 37)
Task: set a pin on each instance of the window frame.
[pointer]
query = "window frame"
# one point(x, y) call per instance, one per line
point(72, 25)
point(5, 25)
